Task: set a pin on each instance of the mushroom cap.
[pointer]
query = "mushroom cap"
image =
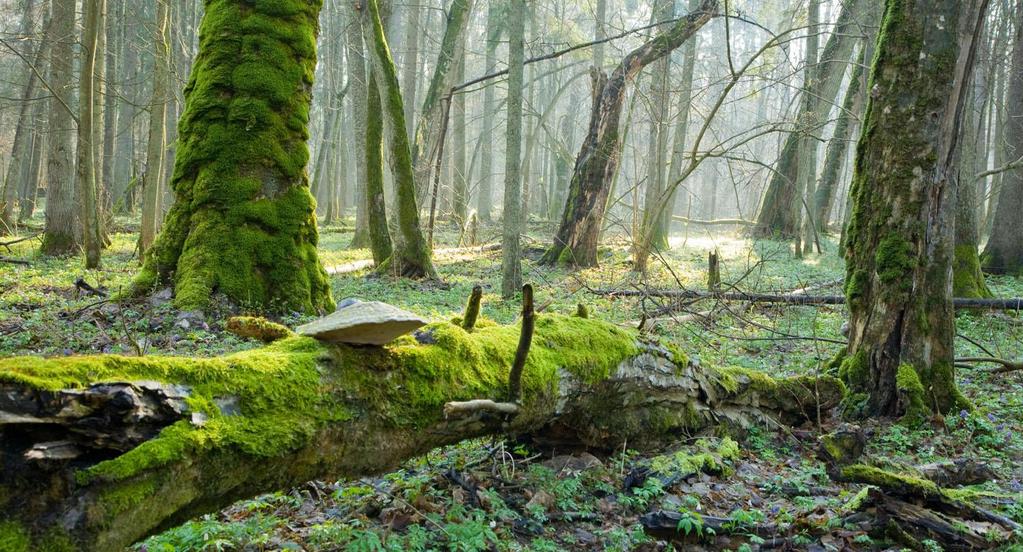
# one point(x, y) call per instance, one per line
point(362, 323)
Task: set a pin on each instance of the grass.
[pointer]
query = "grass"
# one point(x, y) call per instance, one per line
point(417, 508)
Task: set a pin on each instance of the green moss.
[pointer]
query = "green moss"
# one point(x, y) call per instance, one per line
point(243, 223)
point(854, 370)
point(894, 260)
point(891, 481)
point(13, 537)
point(967, 277)
point(856, 503)
point(256, 327)
point(911, 392)
point(712, 458)
point(128, 495)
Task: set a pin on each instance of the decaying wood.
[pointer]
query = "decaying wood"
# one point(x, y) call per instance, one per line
point(715, 222)
point(525, 341)
point(66, 452)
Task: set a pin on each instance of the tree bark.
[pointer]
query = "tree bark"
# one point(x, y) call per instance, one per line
point(460, 189)
point(411, 256)
point(1003, 253)
point(900, 246)
point(575, 243)
point(777, 214)
point(59, 234)
point(102, 451)
point(243, 223)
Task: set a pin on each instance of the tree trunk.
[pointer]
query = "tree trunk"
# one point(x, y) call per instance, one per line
point(112, 32)
point(102, 451)
point(834, 157)
point(460, 191)
point(358, 83)
point(380, 238)
point(156, 149)
point(243, 223)
point(811, 124)
point(485, 197)
point(428, 129)
point(1003, 253)
point(657, 147)
point(900, 243)
point(21, 149)
point(575, 243)
point(88, 194)
point(777, 214)
point(410, 65)
point(511, 257)
point(29, 189)
point(411, 256)
point(122, 169)
point(59, 233)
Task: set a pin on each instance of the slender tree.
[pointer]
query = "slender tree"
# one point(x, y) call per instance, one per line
point(511, 262)
point(156, 150)
point(900, 243)
point(358, 84)
point(87, 187)
point(243, 223)
point(485, 197)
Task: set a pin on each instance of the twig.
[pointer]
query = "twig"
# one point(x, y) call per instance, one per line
point(14, 261)
point(1006, 365)
point(479, 405)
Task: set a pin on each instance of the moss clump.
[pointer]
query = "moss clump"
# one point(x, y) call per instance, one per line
point(967, 277)
point(894, 260)
point(243, 222)
point(911, 394)
point(256, 327)
point(898, 483)
point(13, 537)
point(128, 495)
point(710, 457)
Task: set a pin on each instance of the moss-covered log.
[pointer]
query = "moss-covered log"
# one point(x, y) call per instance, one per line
point(243, 220)
point(101, 451)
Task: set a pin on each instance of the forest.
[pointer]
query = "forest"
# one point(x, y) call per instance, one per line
point(511, 275)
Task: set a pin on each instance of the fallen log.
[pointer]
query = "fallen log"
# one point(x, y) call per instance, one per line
point(101, 451)
point(1015, 303)
point(715, 222)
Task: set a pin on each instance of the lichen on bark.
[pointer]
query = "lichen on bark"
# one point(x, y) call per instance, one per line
point(243, 222)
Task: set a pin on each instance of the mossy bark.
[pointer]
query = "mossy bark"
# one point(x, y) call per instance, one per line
point(781, 206)
point(376, 209)
point(900, 242)
point(359, 82)
point(192, 435)
point(243, 222)
point(411, 256)
point(576, 240)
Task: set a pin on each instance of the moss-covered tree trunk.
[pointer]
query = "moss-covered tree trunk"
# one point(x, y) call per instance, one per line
point(243, 222)
point(376, 208)
point(102, 451)
point(1003, 253)
point(514, 214)
point(900, 238)
point(411, 256)
point(967, 278)
point(778, 212)
point(87, 194)
point(576, 240)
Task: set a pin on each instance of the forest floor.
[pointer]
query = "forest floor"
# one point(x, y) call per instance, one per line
point(770, 492)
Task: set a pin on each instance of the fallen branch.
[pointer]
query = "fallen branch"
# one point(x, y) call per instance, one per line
point(715, 222)
point(1015, 303)
point(14, 261)
point(8, 244)
point(1006, 365)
